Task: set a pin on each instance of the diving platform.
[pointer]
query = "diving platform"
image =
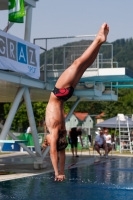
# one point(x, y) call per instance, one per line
point(91, 87)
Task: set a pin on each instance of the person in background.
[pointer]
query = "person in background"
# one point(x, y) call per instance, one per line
point(113, 139)
point(131, 136)
point(28, 130)
point(73, 139)
point(40, 128)
point(45, 144)
point(100, 142)
point(108, 139)
point(97, 131)
point(79, 133)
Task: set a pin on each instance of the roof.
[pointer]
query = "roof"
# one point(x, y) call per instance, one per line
point(100, 115)
point(81, 115)
point(113, 123)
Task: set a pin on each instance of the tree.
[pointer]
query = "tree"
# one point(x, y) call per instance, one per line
point(21, 117)
point(123, 105)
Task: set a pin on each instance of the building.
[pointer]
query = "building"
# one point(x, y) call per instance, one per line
point(99, 118)
point(79, 118)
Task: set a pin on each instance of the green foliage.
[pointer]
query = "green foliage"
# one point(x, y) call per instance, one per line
point(21, 117)
point(67, 106)
point(92, 107)
point(123, 52)
point(39, 111)
point(123, 105)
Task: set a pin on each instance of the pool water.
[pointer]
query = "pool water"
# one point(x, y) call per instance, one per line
point(107, 180)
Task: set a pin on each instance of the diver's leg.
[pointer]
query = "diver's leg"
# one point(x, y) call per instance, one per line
point(72, 147)
point(72, 75)
point(97, 149)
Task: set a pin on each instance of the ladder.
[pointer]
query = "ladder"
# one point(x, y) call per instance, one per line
point(122, 126)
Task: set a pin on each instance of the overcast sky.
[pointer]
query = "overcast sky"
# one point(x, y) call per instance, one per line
point(53, 18)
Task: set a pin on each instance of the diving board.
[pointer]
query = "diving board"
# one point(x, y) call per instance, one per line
point(13, 141)
point(119, 74)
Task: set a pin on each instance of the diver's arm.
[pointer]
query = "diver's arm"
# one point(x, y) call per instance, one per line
point(53, 150)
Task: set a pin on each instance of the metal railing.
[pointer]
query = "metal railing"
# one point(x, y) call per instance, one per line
point(60, 52)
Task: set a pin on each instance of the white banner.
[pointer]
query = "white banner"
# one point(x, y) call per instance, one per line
point(19, 55)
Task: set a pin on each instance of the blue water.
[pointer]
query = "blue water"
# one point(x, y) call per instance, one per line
point(108, 180)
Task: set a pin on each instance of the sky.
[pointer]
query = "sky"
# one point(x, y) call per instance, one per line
point(55, 18)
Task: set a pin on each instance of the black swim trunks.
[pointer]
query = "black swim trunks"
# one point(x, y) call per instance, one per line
point(63, 93)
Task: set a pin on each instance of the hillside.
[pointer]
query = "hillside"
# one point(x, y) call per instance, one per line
point(122, 52)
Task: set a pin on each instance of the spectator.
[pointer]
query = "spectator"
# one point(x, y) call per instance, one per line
point(40, 128)
point(44, 145)
point(108, 139)
point(124, 145)
point(100, 142)
point(131, 137)
point(98, 130)
point(73, 139)
point(28, 130)
point(113, 139)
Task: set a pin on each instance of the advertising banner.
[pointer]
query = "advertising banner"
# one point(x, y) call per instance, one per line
point(19, 55)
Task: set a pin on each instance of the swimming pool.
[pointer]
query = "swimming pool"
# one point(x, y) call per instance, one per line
point(107, 180)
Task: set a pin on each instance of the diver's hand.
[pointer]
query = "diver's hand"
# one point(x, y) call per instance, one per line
point(59, 177)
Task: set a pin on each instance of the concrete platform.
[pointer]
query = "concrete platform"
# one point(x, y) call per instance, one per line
point(22, 164)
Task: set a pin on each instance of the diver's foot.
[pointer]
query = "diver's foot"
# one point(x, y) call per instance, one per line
point(102, 34)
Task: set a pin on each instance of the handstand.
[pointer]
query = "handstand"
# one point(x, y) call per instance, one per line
point(63, 90)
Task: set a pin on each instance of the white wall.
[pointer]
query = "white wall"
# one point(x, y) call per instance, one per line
point(72, 122)
point(88, 122)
